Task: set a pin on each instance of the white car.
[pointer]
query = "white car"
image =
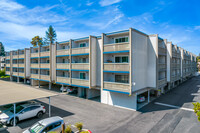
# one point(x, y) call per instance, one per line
point(23, 112)
point(52, 124)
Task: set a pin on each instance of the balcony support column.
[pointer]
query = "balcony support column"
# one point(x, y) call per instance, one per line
point(17, 79)
point(39, 84)
point(49, 85)
point(148, 96)
point(24, 80)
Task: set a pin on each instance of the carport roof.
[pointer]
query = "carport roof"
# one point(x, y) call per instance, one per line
point(14, 93)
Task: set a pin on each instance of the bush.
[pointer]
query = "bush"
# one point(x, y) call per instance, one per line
point(197, 109)
point(68, 129)
point(79, 126)
point(84, 132)
point(2, 72)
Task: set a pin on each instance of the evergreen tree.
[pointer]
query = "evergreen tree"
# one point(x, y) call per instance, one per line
point(2, 52)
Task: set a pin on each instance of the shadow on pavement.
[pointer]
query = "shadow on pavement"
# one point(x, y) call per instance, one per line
point(54, 112)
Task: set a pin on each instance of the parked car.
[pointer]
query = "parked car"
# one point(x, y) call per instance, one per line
point(140, 98)
point(22, 112)
point(47, 125)
point(72, 91)
point(10, 106)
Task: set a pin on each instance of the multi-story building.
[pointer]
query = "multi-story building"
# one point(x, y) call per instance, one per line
point(174, 64)
point(18, 64)
point(2, 62)
point(120, 67)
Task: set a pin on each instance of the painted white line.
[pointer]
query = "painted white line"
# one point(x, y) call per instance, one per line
point(173, 106)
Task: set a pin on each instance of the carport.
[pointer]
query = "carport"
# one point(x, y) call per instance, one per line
point(12, 93)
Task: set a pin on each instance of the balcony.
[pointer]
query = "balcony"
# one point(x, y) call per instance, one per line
point(162, 66)
point(45, 65)
point(15, 73)
point(116, 67)
point(80, 82)
point(162, 51)
point(62, 52)
point(21, 65)
point(45, 77)
point(35, 76)
point(116, 47)
point(15, 56)
point(7, 72)
point(8, 57)
point(8, 65)
point(162, 82)
point(175, 77)
point(45, 53)
point(22, 74)
point(82, 50)
point(21, 56)
point(34, 65)
point(80, 66)
point(15, 65)
point(34, 54)
point(65, 80)
point(122, 87)
point(62, 66)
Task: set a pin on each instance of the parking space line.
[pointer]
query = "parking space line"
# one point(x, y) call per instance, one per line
point(173, 106)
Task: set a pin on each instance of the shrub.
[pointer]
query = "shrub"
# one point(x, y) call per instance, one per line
point(197, 109)
point(68, 129)
point(84, 132)
point(79, 126)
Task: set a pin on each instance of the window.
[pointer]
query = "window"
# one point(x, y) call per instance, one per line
point(47, 61)
point(63, 47)
point(121, 59)
point(63, 74)
point(47, 72)
point(34, 107)
point(82, 76)
point(83, 60)
point(82, 45)
point(122, 39)
point(122, 78)
point(63, 60)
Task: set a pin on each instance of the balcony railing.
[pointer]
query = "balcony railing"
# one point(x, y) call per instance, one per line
point(80, 66)
point(22, 74)
point(63, 79)
point(63, 52)
point(82, 50)
point(15, 65)
point(21, 56)
point(45, 77)
point(8, 65)
point(45, 53)
point(21, 65)
point(116, 66)
point(35, 76)
point(34, 65)
point(45, 65)
point(34, 54)
point(162, 81)
point(15, 56)
point(8, 57)
point(123, 87)
point(80, 82)
point(162, 66)
point(162, 51)
point(7, 72)
point(62, 66)
point(116, 47)
point(15, 73)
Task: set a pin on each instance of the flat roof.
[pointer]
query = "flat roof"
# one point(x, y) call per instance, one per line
point(11, 92)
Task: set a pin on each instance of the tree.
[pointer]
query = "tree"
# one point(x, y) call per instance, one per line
point(2, 50)
point(50, 35)
point(37, 41)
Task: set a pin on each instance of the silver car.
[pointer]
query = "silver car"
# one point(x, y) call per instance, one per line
point(47, 125)
point(23, 112)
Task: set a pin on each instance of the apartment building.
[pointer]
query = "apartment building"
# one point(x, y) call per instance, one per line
point(120, 67)
point(18, 64)
point(2, 62)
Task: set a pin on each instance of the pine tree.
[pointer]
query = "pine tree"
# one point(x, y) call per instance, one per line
point(2, 52)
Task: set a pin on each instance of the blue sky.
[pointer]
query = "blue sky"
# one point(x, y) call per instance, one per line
point(176, 20)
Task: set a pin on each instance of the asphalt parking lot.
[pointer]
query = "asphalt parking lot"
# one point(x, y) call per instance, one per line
point(170, 113)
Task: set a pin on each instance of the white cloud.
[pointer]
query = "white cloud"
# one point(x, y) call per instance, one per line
point(108, 2)
point(114, 20)
point(89, 3)
point(10, 5)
